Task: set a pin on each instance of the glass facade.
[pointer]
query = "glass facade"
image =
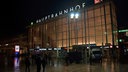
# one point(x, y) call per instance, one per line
point(95, 25)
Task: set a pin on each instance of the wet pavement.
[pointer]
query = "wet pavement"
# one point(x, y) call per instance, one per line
point(16, 65)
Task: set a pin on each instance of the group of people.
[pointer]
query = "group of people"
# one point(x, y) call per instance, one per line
point(73, 56)
point(41, 60)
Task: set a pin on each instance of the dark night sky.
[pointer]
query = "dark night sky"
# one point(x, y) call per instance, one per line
point(16, 15)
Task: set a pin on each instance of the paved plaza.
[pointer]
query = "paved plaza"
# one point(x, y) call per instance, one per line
point(107, 65)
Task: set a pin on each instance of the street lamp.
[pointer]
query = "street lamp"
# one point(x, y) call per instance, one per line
point(75, 16)
point(72, 16)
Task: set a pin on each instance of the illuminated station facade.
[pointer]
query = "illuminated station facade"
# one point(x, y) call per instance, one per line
point(80, 26)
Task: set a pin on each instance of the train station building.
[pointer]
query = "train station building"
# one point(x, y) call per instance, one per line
point(78, 26)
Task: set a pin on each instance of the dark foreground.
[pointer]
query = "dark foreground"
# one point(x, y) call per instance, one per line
point(16, 65)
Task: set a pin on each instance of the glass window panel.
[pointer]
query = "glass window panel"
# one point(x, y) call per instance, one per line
point(87, 40)
point(107, 8)
point(72, 26)
point(84, 39)
point(82, 16)
point(80, 33)
point(80, 41)
point(64, 35)
point(65, 27)
point(64, 43)
point(72, 34)
point(103, 20)
point(65, 20)
point(110, 39)
point(53, 37)
point(60, 21)
point(73, 41)
point(61, 28)
point(103, 29)
point(78, 22)
point(90, 13)
point(91, 22)
point(57, 28)
point(98, 43)
point(92, 39)
point(98, 30)
point(97, 21)
point(97, 12)
point(109, 29)
point(83, 24)
point(57, 23)
point(87, 32)
point(102, 10)
point(99, 40)
point(59, 36)
point(83, 32)
point(91, 31)
point(104, 39)
point(54, 44)
point(108, 20)
point(87, 23)
point(86, 14)
point(60, 43)
point(80, 26)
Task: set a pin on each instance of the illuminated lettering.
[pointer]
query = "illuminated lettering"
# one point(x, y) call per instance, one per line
point(39, 20)
point(60, 12)
point(65, 11)
point(71, 9)
point(52, 15)
point(56, 15)
point(36, 21)
point(46, 17)
point(77, 7)
point(42, 19)
point(83, 5)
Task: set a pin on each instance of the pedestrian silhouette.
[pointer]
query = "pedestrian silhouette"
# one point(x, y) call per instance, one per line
point(38, 63)
point(27, 64)
point(67, 58)
point(44, 61)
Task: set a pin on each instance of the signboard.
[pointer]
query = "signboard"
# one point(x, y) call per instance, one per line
point(71, 9)
point(17, 48)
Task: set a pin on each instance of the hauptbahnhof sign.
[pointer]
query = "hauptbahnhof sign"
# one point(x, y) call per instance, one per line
point(71, 9)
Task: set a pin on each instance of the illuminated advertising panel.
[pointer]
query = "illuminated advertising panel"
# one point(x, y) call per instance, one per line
point(17, 48)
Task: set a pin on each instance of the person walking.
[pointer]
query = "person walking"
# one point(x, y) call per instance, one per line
point(27, 64)
point(38, 63)
point(67, 59)
point(44, 61)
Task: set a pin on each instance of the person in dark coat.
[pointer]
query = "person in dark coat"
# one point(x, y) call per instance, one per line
point(27, 64)
point(38, 63)
point(44, 61)
point(67, 58)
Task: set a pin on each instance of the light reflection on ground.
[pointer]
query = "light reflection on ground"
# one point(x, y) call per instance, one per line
point(16, 65)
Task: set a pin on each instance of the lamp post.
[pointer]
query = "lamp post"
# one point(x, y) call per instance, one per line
point(72, 16)
point(75, 16)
